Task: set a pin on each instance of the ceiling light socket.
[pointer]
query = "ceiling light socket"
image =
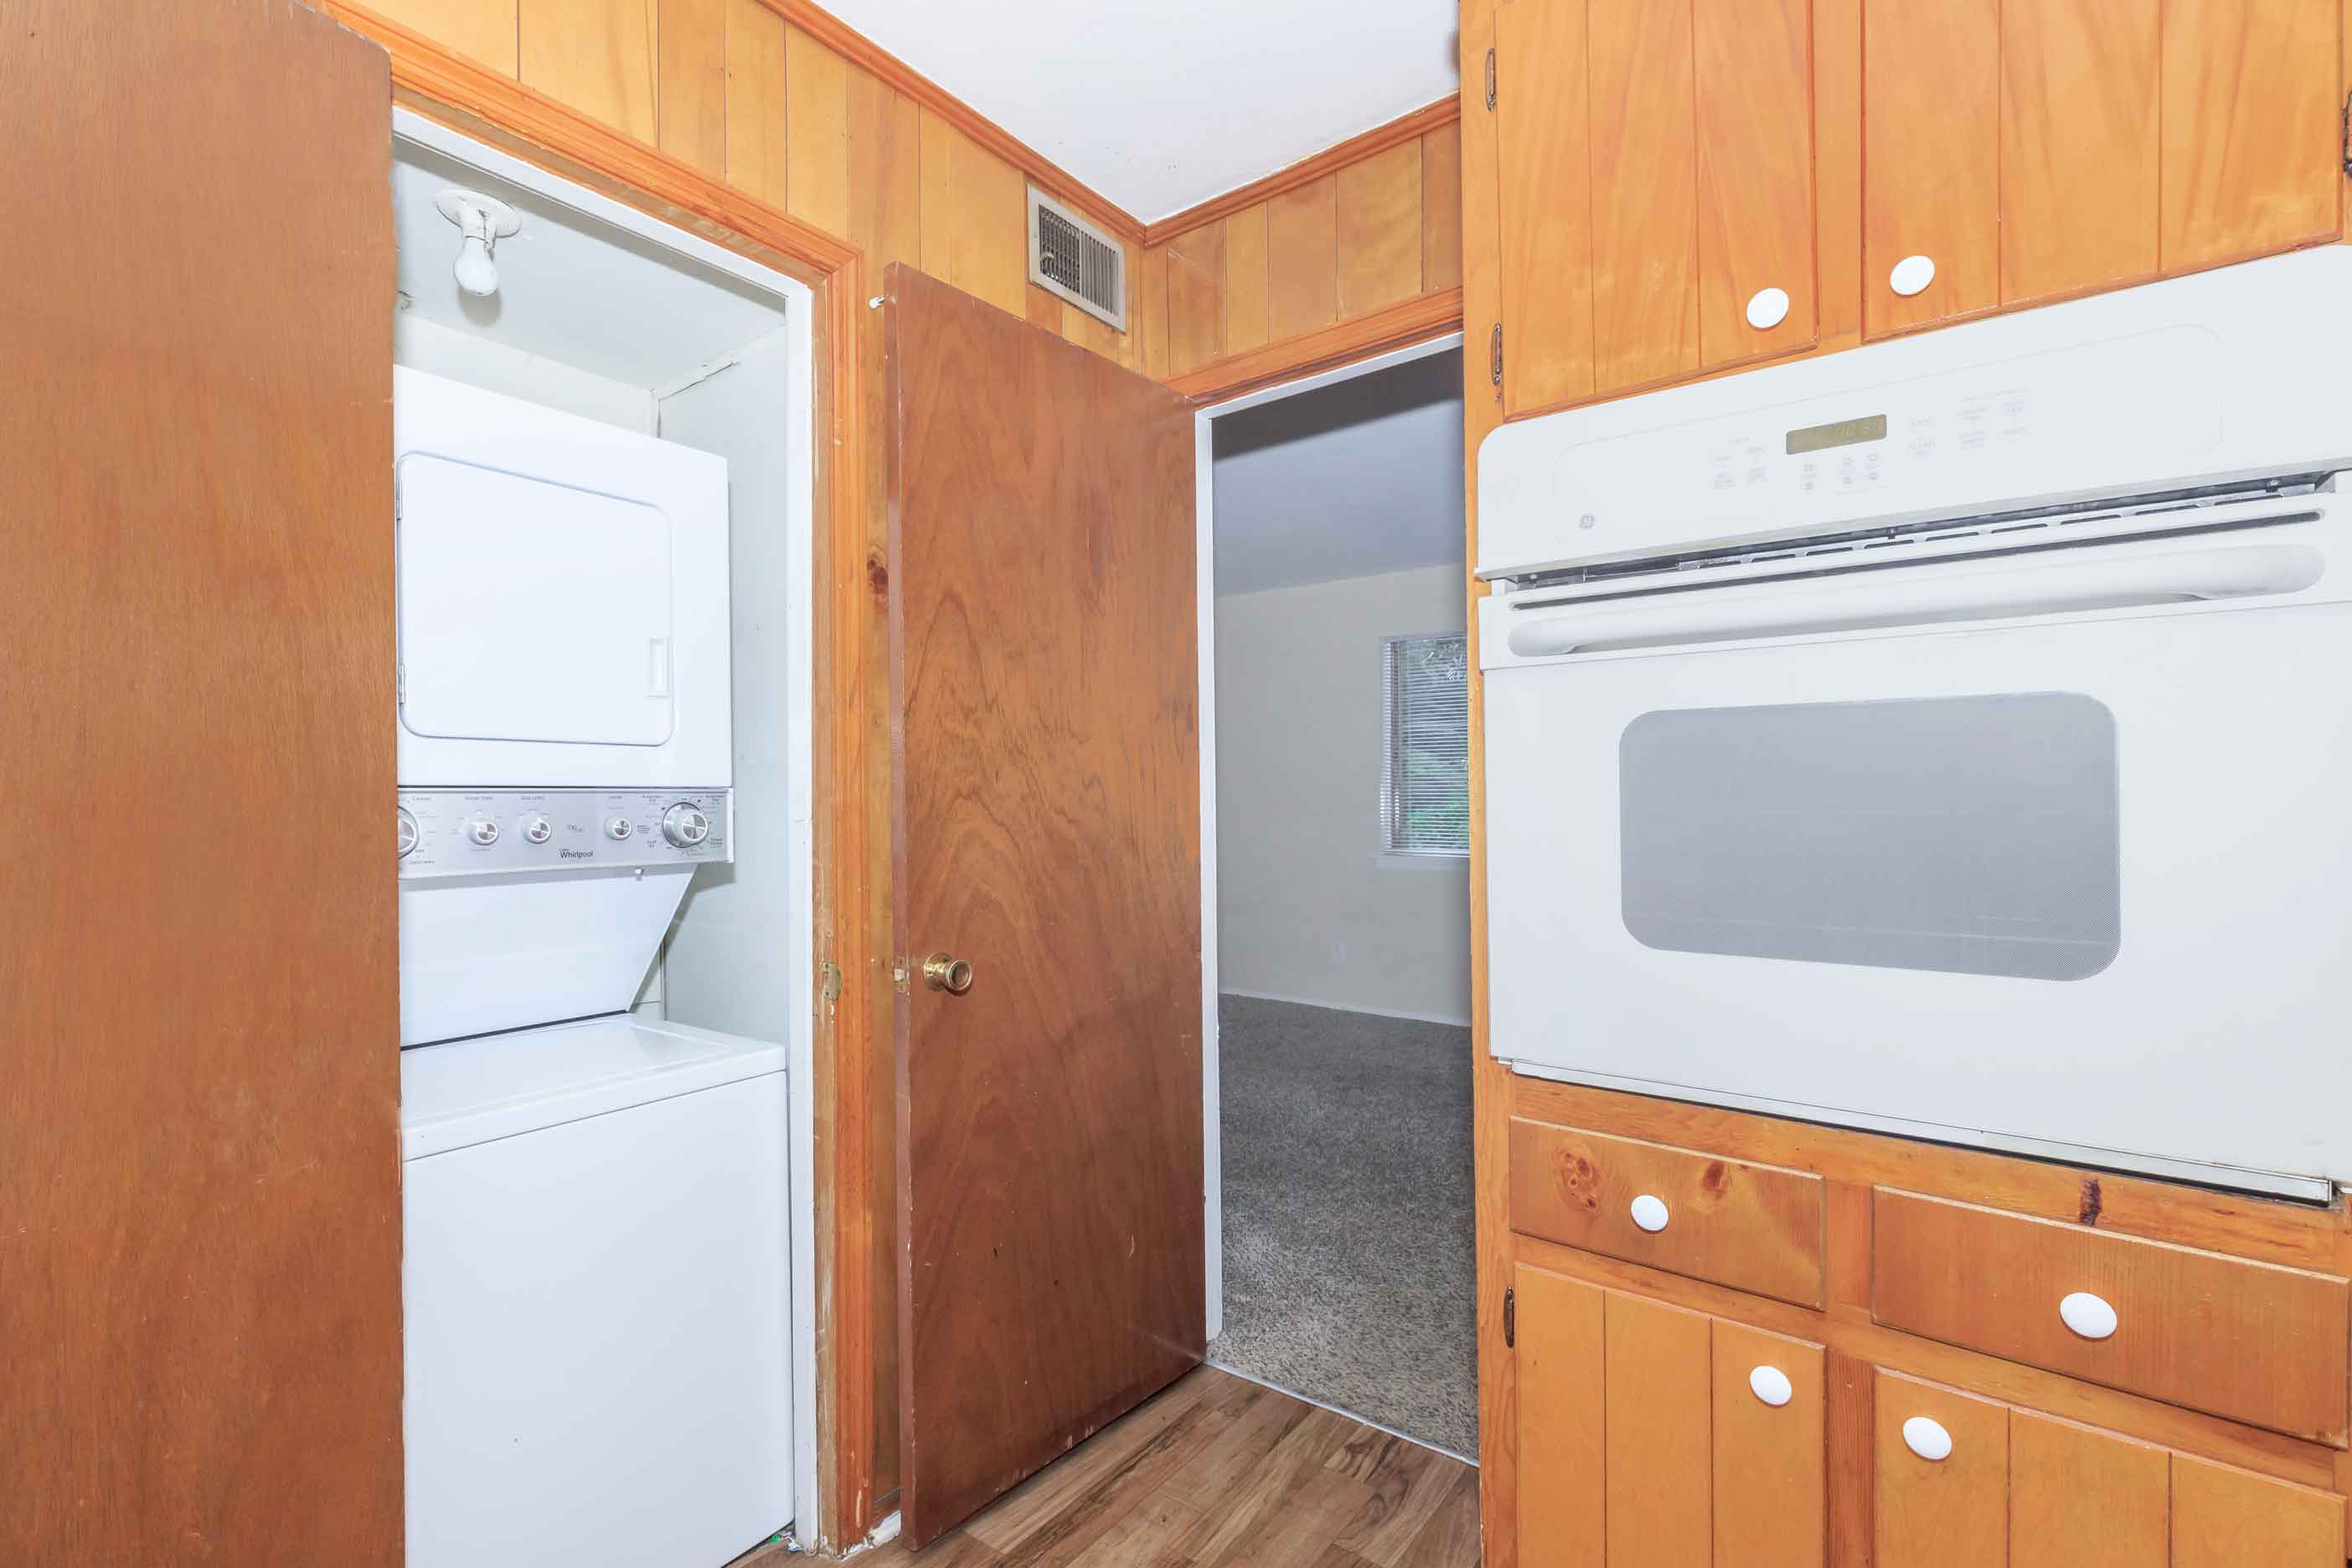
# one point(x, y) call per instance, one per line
point(482, 221)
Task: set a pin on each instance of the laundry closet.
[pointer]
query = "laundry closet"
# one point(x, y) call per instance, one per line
point(602, 471)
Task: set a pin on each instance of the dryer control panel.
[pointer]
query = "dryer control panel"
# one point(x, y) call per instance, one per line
point(447, 833)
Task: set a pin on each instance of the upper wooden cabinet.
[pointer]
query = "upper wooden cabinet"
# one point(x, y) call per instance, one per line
point(1673, 183)
point(1654, 176)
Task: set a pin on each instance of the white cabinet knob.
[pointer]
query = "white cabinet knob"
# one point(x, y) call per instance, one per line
point(1911, 275)
point(1768, 307)
point(2087, 1315)
point(1650, 1212)
point(1771, 1385)
point(1926, 1437)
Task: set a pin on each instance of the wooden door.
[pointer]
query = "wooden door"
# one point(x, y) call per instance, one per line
point(1771, 1483)
point(1931, 159)
point(1558, 1338)
point(1544, 182)
point(1940, 1512)
point(2253, 128)
point(2079, 92)
point(1754, 75)
point(1045, 774)
point(2226, 1518)
point(199, 1039)
point(1656, 1377)
point(1644, 193)
point(2081, 1498)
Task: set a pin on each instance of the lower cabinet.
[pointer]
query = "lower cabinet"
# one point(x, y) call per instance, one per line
point(1653, 1437)
point(1650, 1436)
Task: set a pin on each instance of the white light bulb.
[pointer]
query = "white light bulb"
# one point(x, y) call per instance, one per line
point(476, 273)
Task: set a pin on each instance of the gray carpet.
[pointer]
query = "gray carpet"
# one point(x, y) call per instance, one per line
point(1350, 1267)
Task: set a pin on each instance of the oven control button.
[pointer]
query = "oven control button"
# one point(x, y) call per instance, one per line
point(685, 826)
point(482, 831)
point(408, 834)
point(618, 827)
point(538, 829)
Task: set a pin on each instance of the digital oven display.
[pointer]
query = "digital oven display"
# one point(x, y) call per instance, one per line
point(1844, 433)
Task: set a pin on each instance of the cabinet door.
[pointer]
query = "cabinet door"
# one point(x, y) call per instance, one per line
point(1931, 159)
point(1771, 1504)
point(1753, 60)
point(1658, 1449)
point(2078, 145)
point(1558, 1361)
point(2253, 128)
point(1645, 194)
point(1946, 1512)
point(2080, 1497)
point(2225, 1518)
point(1544, 177)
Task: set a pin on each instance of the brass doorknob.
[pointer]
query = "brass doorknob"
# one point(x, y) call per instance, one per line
point(952, 975)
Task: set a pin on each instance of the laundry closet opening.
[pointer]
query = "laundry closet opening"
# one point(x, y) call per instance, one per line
point(605, 472)
point(1339, 830)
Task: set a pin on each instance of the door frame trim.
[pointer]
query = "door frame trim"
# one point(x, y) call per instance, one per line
point(505, 116)
point(1204, 492)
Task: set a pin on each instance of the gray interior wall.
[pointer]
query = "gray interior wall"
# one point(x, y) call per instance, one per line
point(1308, 908)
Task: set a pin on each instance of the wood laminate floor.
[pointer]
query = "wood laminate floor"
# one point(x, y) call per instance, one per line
point(1219, 1472)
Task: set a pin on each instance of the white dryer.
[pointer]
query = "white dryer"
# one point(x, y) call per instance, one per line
point(598, 1308)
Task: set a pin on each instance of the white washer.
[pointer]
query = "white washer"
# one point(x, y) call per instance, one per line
point(598, 1307)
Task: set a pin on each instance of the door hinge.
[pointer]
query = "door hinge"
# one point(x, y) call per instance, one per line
point(1510, 1320)
point(828, 979)
point(902, 976)
point(1490, 81)
point(1494, 355)
point(2347, 148)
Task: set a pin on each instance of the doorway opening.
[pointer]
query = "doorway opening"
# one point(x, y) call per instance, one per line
point(1335, 854)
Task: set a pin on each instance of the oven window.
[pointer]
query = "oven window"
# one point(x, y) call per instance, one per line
point(1967, 834)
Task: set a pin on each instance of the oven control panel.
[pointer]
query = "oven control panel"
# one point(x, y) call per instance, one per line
point(475, 833)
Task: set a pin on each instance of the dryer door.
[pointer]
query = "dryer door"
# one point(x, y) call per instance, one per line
point(530, 610)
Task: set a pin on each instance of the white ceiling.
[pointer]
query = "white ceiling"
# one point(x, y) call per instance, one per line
point(1160, 106)
point(570, 288)
point(1360, 478)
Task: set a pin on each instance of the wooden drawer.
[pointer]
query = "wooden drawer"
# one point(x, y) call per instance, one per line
point(1753, 1228)
point(2252, 1341)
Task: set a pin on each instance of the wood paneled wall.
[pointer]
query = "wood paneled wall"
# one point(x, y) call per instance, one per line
point(1367, 232)
point(761, 94)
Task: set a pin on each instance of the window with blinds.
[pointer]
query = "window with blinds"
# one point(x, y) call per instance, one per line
point(1425, 746)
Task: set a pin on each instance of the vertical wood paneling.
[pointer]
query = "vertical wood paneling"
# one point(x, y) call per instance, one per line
point(1441, 208)
point(1770, 1502)
point(2251, 96)
point(975, 223)
point(1560, 1523)
point(1947, 1513)
point(1246, 279)
point(1543, 179)
point(2225, 1518)
point(2083, 1498)
point(1196, 298)
point(594, 56)
point(1151, 324)
point(481, 30)
point(1659, 1463)
point(1377, 215)
point(1931, 122)
point(1302, 283)
point(1754, 77)
point(2079, 171)
point(693, 97)
point(755, 101)
point(1645, 194)
point(816, 133)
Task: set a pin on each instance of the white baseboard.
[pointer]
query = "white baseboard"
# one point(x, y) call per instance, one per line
point(1348, 1008)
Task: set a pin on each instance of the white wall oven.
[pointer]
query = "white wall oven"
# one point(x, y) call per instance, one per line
point(1952, 736)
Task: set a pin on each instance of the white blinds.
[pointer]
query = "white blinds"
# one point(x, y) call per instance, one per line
point(1425, 746)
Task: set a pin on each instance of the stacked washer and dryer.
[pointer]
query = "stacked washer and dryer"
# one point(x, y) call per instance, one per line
point(596, 1291)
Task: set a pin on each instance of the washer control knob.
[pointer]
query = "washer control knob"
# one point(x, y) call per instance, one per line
point(618, 827)
point(408, 834)
point(685, 826)
point(482, 831)
point(538, 829)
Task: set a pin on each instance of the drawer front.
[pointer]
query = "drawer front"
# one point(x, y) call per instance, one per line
point(2252, 1341)
point(1753, 1228)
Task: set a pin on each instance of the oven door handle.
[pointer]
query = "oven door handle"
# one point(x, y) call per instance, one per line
point(1898, 597)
